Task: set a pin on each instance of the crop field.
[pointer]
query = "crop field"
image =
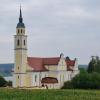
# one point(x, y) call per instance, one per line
point(17, 94)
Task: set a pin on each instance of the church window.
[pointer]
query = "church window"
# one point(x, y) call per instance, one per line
point(45, 75)
point(62, 62)
point(18, 30)
point(18, 77)
point(18, 67)
point(63, 78)
point(60, 78)
point(21, 30)
point(18, 42)
point(35, 78)
point(24, 42)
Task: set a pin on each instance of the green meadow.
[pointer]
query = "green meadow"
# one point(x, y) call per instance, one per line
point(17, 94)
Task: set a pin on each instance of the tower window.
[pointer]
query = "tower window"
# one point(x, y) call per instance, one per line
point(21, 30)
point(18, 42)
point(18, 30)
point(18, 77)
point(24, 42)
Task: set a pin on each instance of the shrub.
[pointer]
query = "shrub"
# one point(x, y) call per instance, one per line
point(84, 81)
point(9, 83)
point(67, 85)
point(2, 81)
point(94, 65)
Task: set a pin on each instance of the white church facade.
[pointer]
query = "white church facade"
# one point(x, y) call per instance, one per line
point(36, 72)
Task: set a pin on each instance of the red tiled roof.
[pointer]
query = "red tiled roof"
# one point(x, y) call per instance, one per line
point(51, 61)
point(70, 64)
point(49, 80)
point(38, 63)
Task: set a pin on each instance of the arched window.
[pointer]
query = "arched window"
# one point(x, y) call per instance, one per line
point(18, 67)
point(24, 42)
point(60, 78)
point(18, 30)
point(45, 75)
point(21, 30)
point(18, 42)
point(18, 77)
point(35, 78)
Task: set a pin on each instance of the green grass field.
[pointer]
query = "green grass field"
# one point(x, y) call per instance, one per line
point(15, 94)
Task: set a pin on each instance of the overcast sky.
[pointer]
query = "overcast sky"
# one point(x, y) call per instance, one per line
point(71, 27)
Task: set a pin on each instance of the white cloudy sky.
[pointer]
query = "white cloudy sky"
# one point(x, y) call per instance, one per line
point(53, 26)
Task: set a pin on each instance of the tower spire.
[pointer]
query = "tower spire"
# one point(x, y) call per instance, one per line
point(20, 23)
point(20, 16)
point(20, 12)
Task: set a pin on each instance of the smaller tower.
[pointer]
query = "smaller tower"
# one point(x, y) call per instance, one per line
point(20, 54)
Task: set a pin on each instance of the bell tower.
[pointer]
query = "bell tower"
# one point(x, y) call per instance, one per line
point(20, 48)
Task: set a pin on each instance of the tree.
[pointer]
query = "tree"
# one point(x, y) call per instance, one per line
point(91, 66)
point(2, 81)
point(81, 81)
point(97, 68)
point(9, 83)
point(94, 65)
point(67, 85)
point(84, 80)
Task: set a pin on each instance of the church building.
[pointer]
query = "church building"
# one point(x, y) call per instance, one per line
point(37, 72)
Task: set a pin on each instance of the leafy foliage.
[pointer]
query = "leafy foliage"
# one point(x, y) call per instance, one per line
point(67, 85)
point(9, 83)
point(2, 82)
point(87, 79)
point(84, 80)
point(94, 65)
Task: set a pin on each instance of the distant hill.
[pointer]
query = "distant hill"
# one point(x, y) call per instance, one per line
point(83, 66)
point(5, 69)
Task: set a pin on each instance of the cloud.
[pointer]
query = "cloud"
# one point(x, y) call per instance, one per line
point(52, 26)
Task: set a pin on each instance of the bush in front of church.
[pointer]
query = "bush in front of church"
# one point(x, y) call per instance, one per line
point(3, 82)
point(9, 84)
point(84, 80)
point(67, 85)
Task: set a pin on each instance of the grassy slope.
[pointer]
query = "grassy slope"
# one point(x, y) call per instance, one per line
point(15, 94)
